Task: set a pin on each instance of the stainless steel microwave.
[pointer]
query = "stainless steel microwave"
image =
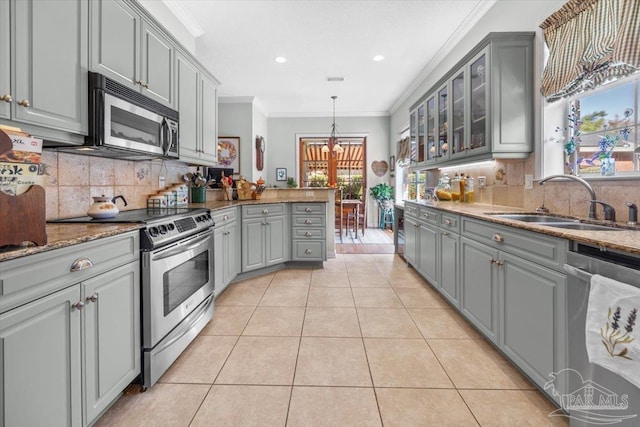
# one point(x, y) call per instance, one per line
point(124, 123)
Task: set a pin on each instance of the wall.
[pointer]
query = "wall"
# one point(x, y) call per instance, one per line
point(235, 119)
point(282, 146)
point(74, 179)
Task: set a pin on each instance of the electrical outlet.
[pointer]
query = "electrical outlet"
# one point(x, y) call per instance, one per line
point(308, 193)
point(528, 181)
point(161, 181)
point(482, 182)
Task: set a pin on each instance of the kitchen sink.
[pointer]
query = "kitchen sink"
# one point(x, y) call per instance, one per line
point(536, 218)
point(582, 226)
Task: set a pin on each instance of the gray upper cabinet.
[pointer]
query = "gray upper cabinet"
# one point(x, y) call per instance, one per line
point(484, 105)
point(197, 103)
point(43, 72)
point(130, 50)
point(5, 65)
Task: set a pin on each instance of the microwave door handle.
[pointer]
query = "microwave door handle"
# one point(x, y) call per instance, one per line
point(171, 139)
point(163, 141)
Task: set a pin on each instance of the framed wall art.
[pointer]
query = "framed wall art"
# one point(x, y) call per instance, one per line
point(281, 174)
point(229, 152)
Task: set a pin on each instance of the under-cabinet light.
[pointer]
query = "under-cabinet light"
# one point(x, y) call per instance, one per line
point(469, 165)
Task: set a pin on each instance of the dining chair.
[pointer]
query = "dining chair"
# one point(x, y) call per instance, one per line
point(359, 216)
point(339, 212)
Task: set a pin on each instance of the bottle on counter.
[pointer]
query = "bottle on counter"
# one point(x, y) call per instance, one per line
point(470, 195)
point(443, 189)
point(463, 188)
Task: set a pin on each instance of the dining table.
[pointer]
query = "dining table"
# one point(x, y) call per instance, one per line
point(354, 206)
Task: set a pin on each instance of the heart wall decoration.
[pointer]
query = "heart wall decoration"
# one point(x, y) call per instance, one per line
point(380, 167)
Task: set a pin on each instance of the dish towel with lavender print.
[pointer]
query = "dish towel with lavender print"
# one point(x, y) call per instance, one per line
point(613, 327)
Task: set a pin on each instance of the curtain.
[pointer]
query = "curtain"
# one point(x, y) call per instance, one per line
point(590, 42)
point(403, 158)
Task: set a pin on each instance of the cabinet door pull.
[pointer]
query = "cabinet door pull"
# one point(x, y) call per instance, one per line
point(445, 233)
point(499, 263)
point(447, 222)
point(6, 98)
point(498, 238)
point(307, 251)
point(78, 306)
point(308, 210)
point(307, 234)
point(24, 103)
point(93, 297)
point(81, 264)
point(308, 221)
point(492, 261)
point(265, 211)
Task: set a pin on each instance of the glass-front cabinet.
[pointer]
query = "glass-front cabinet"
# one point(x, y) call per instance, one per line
point(413, 137)
point(479, 104)
point(443, 123)
point(432, 149)
point(482, 108)
point(458, 128)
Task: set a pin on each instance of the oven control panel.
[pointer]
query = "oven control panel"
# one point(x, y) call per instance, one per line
point(169, 229)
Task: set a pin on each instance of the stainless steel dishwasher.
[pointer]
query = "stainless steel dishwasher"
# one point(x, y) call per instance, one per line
point(582, 262)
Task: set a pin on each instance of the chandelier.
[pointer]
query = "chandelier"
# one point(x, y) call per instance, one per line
point(333, 140)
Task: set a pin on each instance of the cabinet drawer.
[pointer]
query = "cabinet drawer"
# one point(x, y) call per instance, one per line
point(312, 250)
point(450, 222)
point(224, 216)
point(257, 211)
point(309, 208)
point(546, 250)
point(428, 215)
point(31, 277)
point(410, 210)
point(308, 221)
point(308, 233)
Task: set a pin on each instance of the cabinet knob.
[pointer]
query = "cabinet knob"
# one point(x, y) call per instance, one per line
point(265, 211)
point(93, 298)
point(499, 263)
point(146, 85)
point(445, 233)
point(497, 238)
point(78, 306)
point(492, 261)
point(308, 221)
point(447, 222)
point(308, 210)
point(81, 264)
point(307, 251)
point(24, 103)
point(6, 98)
point(307, 234)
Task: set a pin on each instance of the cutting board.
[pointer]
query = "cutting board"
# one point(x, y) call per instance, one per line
point(23, 217)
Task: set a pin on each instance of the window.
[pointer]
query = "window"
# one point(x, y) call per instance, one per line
point(346, 166)
point(601, 113)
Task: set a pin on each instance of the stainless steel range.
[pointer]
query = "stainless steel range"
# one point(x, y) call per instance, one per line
point(177, 281)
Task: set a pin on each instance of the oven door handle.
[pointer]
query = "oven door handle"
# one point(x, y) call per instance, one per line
point(192, 320)
point(180, 248)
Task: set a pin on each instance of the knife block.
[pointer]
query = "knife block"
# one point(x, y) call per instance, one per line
point(23, 217)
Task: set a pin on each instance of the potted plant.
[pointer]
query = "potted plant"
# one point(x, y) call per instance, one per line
point(383, 195)
point(291, 182)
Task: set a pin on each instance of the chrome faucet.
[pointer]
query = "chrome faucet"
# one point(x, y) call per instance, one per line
point(592, 204)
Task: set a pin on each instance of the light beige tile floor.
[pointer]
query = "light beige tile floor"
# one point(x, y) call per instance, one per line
point(363, 342)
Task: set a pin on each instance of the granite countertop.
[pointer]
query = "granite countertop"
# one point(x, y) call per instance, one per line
point(626, 239)
point(63, 235)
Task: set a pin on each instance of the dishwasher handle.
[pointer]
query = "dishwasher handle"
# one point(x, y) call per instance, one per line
point(578, 272)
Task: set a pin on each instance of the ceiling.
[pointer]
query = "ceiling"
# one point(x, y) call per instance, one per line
point(325, 38)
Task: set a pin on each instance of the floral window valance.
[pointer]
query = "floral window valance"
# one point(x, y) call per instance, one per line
point(590, 42)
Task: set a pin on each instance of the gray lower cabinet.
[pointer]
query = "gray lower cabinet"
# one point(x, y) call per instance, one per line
point(226, 248)
point(514, 291)
point(69, 344)
point(428, 252)
point(449, 243)
point(47, 84)
point(479, 286)
point(410, 239)
point(110, 336)
point(40, 362)
point(266, 234)
point(308, 230)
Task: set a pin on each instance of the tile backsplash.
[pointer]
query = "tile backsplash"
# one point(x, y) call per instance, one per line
point(75, 179)
point(505, 186)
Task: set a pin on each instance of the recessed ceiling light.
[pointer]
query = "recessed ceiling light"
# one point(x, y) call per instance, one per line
point(280, 59)
point(378, 58)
